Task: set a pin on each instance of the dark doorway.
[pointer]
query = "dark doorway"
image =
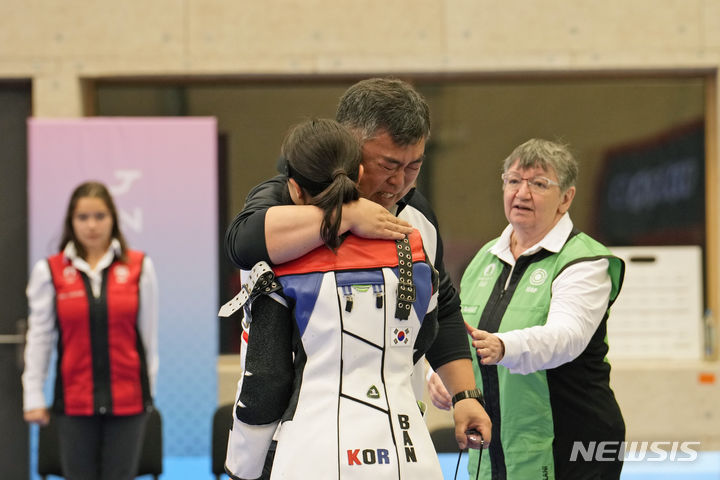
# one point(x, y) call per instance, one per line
point(15, 108)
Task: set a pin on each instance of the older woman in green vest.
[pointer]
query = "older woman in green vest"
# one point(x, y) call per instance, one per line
point(536, 302)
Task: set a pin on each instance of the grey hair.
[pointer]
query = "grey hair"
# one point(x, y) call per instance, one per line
point(385, 104)
point(546, 155)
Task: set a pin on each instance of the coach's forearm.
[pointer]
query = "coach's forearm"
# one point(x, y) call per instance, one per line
point(457, 376)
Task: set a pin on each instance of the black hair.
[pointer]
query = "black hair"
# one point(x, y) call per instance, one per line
point(378, 105)
point(323, 157)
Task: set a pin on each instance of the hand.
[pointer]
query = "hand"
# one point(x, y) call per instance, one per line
point(41, 416)
point(368, 219)
point(489, 347)
point(470, 415)
point(439, 395)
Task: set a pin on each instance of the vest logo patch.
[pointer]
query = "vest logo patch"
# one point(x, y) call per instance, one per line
point(487, 274)
point(401, 336)
point(122, 272)
point(373, 392)
point(538, 277)
point(469, 309)
point(69, 273)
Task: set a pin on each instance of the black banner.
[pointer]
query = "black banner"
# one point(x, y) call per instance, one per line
point(653, 193)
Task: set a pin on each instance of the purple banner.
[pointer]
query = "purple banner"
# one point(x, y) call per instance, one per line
point(162, 173)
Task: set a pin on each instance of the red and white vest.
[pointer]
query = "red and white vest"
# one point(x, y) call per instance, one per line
point(101, 367)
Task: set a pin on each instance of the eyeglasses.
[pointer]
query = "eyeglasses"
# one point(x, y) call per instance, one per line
point(537, 184)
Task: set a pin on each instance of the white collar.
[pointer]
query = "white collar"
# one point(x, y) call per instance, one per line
point(113, 251)
point(553, 241)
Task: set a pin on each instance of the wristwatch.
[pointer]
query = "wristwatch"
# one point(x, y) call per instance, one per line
point(474, 393)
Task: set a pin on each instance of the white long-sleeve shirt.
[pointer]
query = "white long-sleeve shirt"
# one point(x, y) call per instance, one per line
point(580, 296)
point(42, 332)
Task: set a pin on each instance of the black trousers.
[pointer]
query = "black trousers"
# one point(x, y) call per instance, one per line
point(103, 447)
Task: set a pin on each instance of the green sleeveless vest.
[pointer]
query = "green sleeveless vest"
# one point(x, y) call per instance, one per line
point(521, 404)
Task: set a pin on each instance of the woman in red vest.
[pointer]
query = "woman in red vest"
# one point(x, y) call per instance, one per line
point(96, 301)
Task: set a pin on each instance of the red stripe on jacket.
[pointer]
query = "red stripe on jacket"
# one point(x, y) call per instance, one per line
point(355, 256)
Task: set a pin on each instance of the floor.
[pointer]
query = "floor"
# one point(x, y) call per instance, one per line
point(706, 467)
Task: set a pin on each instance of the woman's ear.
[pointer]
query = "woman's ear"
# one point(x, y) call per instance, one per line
point(361, 170)
point(566, 199)
point(296, 192)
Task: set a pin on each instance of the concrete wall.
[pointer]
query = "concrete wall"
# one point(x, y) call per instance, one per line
point(58, 43)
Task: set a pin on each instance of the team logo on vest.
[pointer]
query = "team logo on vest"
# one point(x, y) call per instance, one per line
point(538, 277)
point(401, 336)
point(373, 392)
point(69, 273)
point(469, 309)
point(489, 270)
point(122, 273)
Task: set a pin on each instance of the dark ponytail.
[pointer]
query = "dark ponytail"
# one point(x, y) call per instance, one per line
point(323, 157)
